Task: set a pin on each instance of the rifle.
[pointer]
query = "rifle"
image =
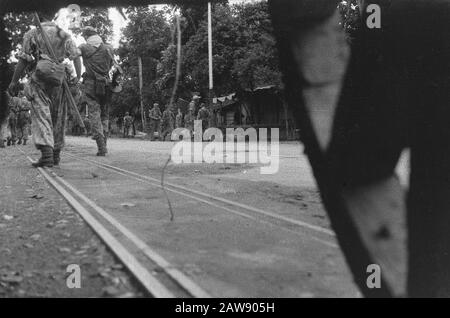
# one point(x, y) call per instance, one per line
point(65, 84)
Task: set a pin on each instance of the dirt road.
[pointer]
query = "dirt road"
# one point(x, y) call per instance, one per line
point(235, 233)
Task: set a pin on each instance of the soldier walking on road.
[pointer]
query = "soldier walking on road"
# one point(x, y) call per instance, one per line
point(179, 119)
point(12, 123)
point(190, 117)
point(155, 119)
point(127, 125)
point(203, 115)
point(167, 123)
point(98, 60)
point(23, 121)
point(48, 97)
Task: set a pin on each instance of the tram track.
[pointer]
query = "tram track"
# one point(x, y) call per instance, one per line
point(179, 284)
point(318, 233)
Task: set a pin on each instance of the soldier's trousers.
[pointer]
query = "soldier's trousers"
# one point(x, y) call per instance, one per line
point(12, 129)
point(127, 131)
point(4, 131)
point(98, 120)
point(48, 115)
point(154, 126)
point(23, 132)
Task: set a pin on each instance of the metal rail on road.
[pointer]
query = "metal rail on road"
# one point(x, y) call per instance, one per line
point(151, 284)
point(208, 199)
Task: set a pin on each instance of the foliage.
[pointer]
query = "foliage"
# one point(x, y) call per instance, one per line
point(147, 35)
point(99, 19)
point(351, 17)
point(256, 58)
point(244, 52)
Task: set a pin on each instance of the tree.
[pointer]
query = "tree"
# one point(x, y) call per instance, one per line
point(244, 52)
point(97, 18)
point(16, 25)
point(256, 58)
point(147, 35)
point(351, 17)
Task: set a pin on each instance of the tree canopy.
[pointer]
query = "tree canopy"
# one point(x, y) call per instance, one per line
point(244, 51)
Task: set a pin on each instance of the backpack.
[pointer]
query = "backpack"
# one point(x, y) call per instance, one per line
point(99, 65)
point(50, 72)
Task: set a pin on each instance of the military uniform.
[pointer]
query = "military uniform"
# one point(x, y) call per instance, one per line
point(3, 134)
point(98, 61)
point(23, 118)
point(48, 103)
point(155, 118)
point(179, 120)
point(167, 123)
point(189, 120)
point(127, 125)
point(12, 123)
point(204, 116)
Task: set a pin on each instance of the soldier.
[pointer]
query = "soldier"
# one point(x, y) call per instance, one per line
point(203, 115)
point(12, 123)
point(98, 60)
point(155, 118)
point(167, 123)
point(196, 102)
point(190, 117)
point(2, 135)
point(179, 119)
point(23, 121)
point(127, 125)
point(48, 99)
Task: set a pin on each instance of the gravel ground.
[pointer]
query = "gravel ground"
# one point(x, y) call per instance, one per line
point(40, 235)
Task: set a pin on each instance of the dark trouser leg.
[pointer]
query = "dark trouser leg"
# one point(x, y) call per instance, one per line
point(101, 146)
point(56, 157)
point(58, 110)
point(152, 129)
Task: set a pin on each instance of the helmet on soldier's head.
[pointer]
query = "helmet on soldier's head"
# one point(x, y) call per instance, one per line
point(127, 114)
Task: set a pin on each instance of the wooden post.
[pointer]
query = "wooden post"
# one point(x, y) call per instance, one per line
point(140, 94)
point(286, 121)
point(210, 55)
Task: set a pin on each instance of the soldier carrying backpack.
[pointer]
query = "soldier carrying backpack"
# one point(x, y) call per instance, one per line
point(98, 60)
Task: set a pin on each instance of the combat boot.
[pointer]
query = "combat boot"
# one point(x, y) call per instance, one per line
point(101, 146)
point(19, 142)
point(56, 157)
point(46, 159)
point(25, 142)
point(2, 143)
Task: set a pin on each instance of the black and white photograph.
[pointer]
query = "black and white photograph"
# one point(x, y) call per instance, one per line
point(225, 156)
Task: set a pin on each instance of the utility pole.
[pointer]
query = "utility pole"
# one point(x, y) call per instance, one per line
point(210, 55)
point(140, 94)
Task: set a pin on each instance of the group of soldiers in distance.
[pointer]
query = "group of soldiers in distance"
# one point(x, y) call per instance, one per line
point(16, 128)
point(165, 122)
